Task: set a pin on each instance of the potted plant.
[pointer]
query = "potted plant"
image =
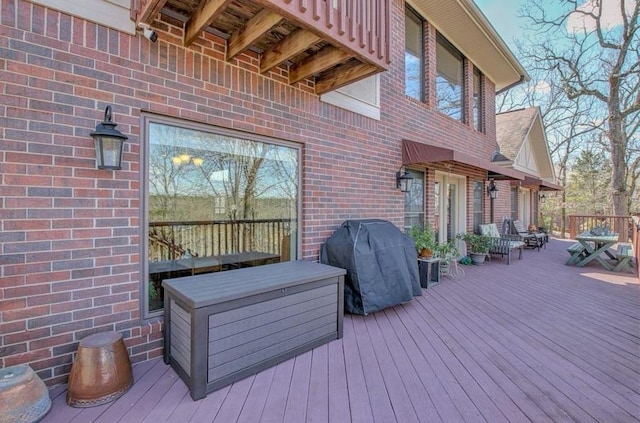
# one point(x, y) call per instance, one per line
point(446, 253)
point(477, 246)
point(424, 239)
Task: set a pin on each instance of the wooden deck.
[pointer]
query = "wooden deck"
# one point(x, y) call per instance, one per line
point(535, 341)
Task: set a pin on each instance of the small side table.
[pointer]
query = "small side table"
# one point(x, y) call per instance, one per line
point(429, 269)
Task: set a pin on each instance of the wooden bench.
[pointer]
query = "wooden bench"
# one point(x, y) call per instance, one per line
point(624, 255)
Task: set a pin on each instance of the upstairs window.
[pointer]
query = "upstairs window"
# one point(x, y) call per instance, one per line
point(478, 100)
point(413, 55)
point(449, 80)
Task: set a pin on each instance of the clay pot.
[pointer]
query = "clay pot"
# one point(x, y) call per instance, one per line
point(101, 371)
point(426, 253)
point(24, 398)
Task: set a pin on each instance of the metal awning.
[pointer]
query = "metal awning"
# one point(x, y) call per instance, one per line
point(419, 153)
point(542, 184)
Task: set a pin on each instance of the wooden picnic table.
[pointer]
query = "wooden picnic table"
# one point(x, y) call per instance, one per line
point(595, 246)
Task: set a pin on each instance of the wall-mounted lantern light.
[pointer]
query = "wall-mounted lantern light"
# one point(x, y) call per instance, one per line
point(403, 180)
point(542, 197)
point(492, 190)
point(109, 143)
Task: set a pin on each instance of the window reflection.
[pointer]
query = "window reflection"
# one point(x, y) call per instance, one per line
point(449, 79)
point(216, 202)
point(414, 202)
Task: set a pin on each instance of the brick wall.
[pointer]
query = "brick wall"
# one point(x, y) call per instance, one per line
point(70, 234)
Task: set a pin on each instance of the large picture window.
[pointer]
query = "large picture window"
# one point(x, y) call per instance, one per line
point(449, 79)
point(216, 200)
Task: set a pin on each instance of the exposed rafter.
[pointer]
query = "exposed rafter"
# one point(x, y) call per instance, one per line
point(207, 12)
point(149, 11)
point(332, 42)
point(259, 25)
point(294, 44)
point(321, 61)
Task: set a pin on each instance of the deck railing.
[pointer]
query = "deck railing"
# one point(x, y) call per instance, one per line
point(363, 25)
point(636, 242)
point(622, 225)
point(172, 240)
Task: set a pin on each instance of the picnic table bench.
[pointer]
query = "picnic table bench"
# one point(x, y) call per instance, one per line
point(577, 252)
point(624, 255)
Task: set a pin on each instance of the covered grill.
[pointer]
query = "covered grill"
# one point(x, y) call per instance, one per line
point(381, 264)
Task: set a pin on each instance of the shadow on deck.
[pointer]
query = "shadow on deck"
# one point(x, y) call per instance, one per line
point(535, 341)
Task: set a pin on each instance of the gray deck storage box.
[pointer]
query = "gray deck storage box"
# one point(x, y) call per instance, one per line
point(222, 327)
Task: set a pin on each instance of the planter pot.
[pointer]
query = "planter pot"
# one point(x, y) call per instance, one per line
point(444, 269)
point(477, 259)
point(426, 253)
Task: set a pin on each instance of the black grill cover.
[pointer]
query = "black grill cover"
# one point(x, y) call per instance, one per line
point(381, 264)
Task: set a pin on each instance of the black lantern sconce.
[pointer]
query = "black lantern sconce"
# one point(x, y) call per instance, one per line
point(542, 197)
point(403, 180)
point(492, 190)
point(109, 143)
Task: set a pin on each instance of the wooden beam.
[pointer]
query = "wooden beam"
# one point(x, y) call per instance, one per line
point(207, 12)
point(149, 11)
point(259, 25)
point(344, 75)
point(297, 42)
point(321, 61)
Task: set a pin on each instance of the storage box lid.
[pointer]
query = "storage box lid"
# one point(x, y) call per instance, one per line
point(213, 288)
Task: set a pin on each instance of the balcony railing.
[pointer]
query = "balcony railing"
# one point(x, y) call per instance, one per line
point(172, 240)
point(622, 225)
point(332, 42)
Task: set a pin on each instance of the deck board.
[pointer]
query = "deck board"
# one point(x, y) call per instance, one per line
point(535, 341)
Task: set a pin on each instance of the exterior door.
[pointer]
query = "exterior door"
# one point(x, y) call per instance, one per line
point(452, 206)
point(525, 206)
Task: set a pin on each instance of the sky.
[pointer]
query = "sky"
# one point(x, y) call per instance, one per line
point(503, 16)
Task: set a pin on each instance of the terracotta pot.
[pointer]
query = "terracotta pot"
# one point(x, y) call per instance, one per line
point(426, 253)
point(24, 398)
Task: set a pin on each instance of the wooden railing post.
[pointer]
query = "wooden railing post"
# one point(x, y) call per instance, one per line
point(572, 227)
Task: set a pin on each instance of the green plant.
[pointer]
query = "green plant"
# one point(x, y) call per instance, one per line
point(476, 244)
point(446, 252)
point(424, 238)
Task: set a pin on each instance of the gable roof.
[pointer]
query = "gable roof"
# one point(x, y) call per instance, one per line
point(512, 129)
point(464, 25)
point(522, 140)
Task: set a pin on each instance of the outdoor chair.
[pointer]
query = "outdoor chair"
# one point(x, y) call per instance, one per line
point(502, 244)
point(530, 239)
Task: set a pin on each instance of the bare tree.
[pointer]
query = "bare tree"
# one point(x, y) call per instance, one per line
point(595, 57)
point(568, 124)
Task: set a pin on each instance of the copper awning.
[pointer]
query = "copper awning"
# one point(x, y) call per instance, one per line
point(419, 153)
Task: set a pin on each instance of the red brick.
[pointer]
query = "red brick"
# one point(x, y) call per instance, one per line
point(27, 336)
point(12, 304)
point(11, 327)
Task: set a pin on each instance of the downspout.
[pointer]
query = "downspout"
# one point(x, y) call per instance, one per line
point(508, 87)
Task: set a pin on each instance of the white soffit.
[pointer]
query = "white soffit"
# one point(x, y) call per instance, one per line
point(464, 25)
point(110, 13)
